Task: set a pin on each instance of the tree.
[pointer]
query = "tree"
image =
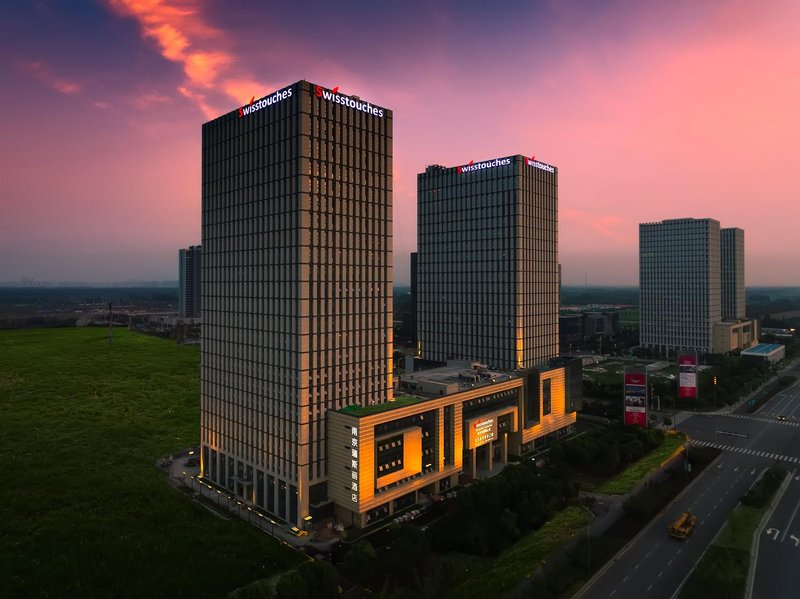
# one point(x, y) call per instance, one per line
point(321, 578)
point(310, 580)
point(292, 586)
point(361, 564)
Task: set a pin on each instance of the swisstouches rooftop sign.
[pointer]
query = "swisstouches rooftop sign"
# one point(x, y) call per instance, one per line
point(269, 100)
point(479, 166)
point(320, 92)
point(350, 102)
point(545, 167)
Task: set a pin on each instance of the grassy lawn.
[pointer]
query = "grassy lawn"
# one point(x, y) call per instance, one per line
point(84, 511)
point(627, 479)
point(495, 577)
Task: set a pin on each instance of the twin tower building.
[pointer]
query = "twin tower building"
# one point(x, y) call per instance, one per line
point(302, 413)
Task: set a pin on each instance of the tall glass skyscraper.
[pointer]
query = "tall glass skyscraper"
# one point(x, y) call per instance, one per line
point(732, 255)
point(679, 284)
point(297, 287)
point(488, 263)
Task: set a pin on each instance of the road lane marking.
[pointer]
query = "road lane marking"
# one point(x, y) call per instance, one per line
point(789, 525)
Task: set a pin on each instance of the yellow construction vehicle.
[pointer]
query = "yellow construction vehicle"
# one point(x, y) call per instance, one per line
point(683, 526)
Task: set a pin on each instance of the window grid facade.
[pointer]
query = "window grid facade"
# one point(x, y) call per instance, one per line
point(488, 264)
point(679, 284)
point(732, 251)
point(297, 294)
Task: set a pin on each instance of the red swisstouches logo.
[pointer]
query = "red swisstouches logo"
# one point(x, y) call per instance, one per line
point(470, 163)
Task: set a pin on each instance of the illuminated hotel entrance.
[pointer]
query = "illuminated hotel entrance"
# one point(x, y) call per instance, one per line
point(486, 441)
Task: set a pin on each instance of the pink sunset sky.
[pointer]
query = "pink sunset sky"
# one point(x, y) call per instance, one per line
point(651, 110)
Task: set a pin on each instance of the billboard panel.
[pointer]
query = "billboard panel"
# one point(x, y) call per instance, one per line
point(635, 390)
point(481, 431)
point(687, 375)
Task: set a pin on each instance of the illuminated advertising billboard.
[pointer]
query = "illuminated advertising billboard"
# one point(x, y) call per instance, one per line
point(481, 431)
point(687, 375)
point(635, 389)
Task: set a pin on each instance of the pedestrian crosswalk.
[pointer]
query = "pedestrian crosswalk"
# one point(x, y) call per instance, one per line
point(747, 451)
point(761, 418)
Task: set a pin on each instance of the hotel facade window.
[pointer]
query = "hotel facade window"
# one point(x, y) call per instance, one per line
point(297, 287)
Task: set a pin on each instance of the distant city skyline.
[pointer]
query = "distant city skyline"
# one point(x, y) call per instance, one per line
point(652, 111)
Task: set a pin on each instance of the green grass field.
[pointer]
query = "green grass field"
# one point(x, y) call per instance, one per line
point(83, 510)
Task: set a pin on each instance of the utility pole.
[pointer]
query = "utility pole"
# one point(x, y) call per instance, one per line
point(588, 541)
point(110, 325)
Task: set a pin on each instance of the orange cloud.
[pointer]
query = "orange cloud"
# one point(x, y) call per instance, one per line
point(172, 42)
point(200, 99)
point(202, 67)
point(182, 35)
point(243, 89)
point(43, 74)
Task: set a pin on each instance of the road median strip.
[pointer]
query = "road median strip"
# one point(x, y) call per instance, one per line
point(722, 570)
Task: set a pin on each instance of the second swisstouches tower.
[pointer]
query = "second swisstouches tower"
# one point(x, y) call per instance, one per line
point(297, 287)
point(488, 263)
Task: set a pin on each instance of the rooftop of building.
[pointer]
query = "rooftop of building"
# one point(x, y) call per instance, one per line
point(474, 165)
point(763, 348)
point(400, 400)
point(461, 375)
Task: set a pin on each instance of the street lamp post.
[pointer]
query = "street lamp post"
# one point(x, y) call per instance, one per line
point(588, 540)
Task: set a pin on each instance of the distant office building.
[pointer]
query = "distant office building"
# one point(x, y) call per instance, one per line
point(681, 265)
point(488, 263)
point(588, 324)
point(297, 236)
point(189, 281)
point(774, 352)
point(414, 297)
point(732, 254)
point(570, 329)
point(734, 334)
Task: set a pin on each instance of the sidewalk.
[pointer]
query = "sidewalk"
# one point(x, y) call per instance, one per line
point(223, 505)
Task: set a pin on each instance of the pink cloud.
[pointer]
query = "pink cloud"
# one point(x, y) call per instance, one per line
point(151, 98)
point(43, 73)
point(183, 34)
point(208, 110)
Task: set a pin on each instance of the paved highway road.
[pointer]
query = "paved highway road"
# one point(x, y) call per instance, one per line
point(777, 573)
point(655, 565)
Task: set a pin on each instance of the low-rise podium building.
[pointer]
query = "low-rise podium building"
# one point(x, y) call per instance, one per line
point(460, 420)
